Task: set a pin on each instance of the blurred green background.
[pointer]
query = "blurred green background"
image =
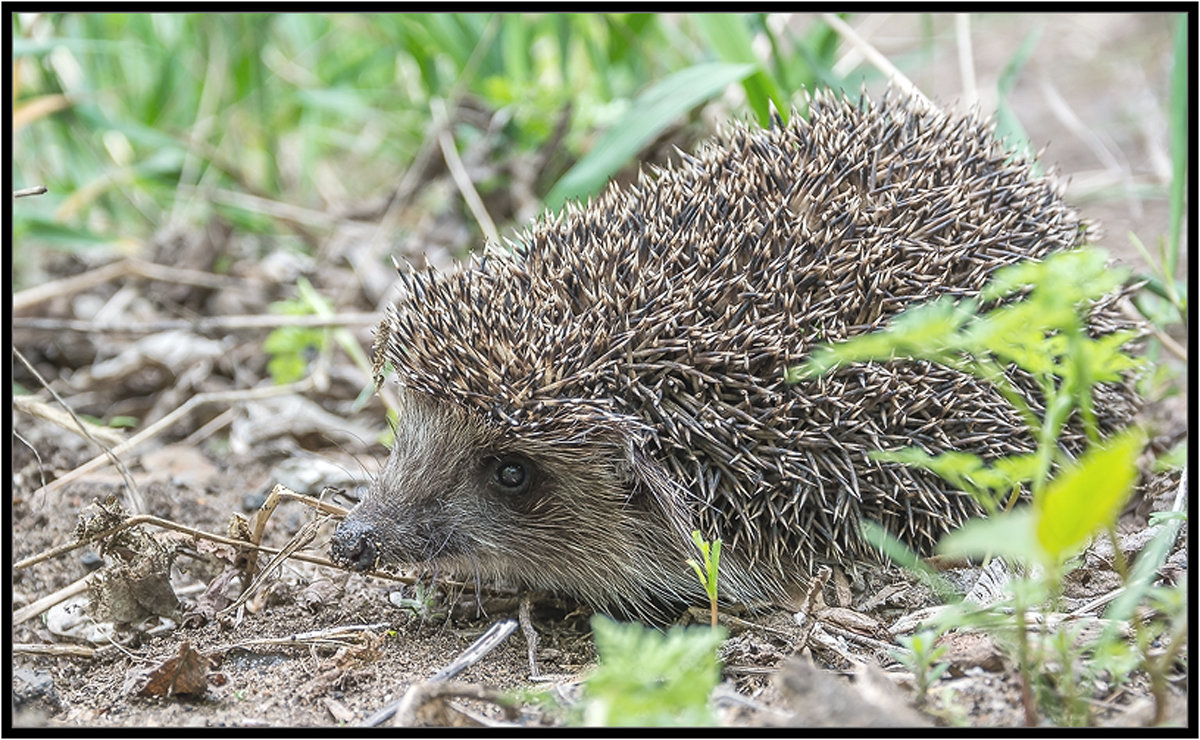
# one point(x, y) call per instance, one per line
point(137, 121)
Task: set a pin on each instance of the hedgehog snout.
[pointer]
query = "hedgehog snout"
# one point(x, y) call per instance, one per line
point(356, 544)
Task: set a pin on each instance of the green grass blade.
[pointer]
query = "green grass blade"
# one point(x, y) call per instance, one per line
point(1179, 141)
point(1008, 125)
point(731, 40)
point(652, 112)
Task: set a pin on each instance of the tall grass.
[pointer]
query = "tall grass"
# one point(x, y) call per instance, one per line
point(129, 118)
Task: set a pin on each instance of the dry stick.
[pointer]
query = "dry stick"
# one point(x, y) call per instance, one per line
point(531, 635)
point(35, 406)
point(276, 209)
point(419, 695)
point(168, 524)
point(1165, 339)
point(77, 651)
point(966, 58)
point(380, 237)
point(850, 59)
point(231, 169)
point(318, 637)
point(299, 540)
point(209, 325)
point(26, 192)
point(279, 492)
point(810, 603)
point(123, 268)
point(136, 502)
point(872, 55)
point(1065, 115)
point(220, 421)
point(37, 607)
point(48, 601)
point(408, 183)
point(458, 173)
point(41, 465)
point(486, 643)
point(74, 284)
point(853, 636)
point(226, 397)
point(283, 492)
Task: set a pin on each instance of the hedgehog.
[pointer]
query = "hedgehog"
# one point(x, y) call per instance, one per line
point(573, 405)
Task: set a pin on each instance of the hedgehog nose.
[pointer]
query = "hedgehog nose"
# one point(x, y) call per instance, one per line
point(355, 544)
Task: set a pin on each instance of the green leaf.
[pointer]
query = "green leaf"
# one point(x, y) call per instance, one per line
point(1062, 278)
point(286, 368)
point(1088, 496)
point(731, 40)
point(929, 331)
point(955, 467)
point(54, 233)
point(645, 677)
point(904, 556)
point(123, 422)
point(1009, 535)
point(966, 471)
point(1104, 359)
point(652, 112)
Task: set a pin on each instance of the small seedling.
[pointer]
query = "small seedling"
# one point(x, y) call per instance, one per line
point(921, 656)
point(711, 554)
point(291, 348)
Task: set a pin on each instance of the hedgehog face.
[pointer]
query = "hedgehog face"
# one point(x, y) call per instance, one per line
point(462, 496)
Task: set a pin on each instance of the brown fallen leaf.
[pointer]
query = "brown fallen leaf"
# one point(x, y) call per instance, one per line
point(185, 673)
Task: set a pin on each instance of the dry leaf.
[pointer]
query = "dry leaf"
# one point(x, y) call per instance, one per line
point(184, 673)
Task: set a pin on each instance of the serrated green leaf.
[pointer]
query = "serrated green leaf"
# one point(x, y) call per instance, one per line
point(645, 677)
point(931, 331)
point(955, 467)
point(1062, 279)
point(1104, 358)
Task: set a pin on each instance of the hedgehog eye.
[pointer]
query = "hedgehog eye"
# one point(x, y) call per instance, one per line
point(510, 475)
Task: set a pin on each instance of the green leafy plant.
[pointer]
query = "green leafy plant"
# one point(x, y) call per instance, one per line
point(645, 677)
point(291, 348)
point(711, 556)
point(423, 602)
point(1081, 500)
point(921, 656)
point(1042, 333)
point(1031, 317)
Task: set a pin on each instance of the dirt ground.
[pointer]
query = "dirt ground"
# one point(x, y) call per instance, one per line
point(319, 646)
